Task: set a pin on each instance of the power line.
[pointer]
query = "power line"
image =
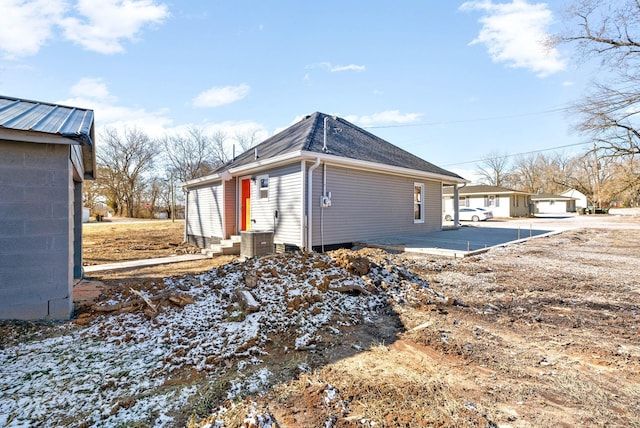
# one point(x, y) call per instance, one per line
point(565, 107)
point(517, 154)
point(483, 119)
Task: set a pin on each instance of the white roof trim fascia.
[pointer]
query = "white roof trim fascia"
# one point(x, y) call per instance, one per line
point(378, 167)
point(513, 192)
point(243, 169)
point(330, 159)
point(20, 136)
point(260, 164)
point(553, 198)
point(207, 179)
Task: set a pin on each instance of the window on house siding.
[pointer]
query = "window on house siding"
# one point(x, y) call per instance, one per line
point(463, 201)
point(418, 203)
point(491, 201)
point(263, 186)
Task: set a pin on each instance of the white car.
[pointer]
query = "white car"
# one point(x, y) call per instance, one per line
point(471, 214)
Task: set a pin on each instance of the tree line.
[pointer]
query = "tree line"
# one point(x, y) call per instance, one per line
point(140, 176)
point(605, 180)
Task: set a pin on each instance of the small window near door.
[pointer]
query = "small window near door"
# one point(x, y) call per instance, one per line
point(418, 203)
point(263, 186)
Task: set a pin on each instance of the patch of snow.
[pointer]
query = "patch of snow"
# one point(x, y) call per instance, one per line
point(114, 371)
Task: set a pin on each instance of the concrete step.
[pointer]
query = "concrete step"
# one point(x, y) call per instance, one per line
point(226, 246)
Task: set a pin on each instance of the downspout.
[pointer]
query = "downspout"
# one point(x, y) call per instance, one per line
point(186, 216)
point(310, 205)
point(324, 193)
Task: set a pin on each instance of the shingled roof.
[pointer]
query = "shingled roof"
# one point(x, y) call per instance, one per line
point(344, 139)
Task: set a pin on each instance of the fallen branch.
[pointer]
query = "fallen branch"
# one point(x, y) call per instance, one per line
point(135, 302)
point(350, 289)
point(146, 300)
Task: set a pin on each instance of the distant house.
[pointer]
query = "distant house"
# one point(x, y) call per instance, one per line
point(546, 203)
point(581, 198)
point(322, 181)
point(503, 202)
point(46, 152)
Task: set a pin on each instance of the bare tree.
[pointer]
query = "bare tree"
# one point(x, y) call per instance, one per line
point(247, 139)
point(592, 175)
point(124, 159)
point(627, 187)
point(527, 174)
point(610, 32)
point(91, 192)
point(219, 151)
point(494, 169)
point(189, 155)
point(154, 193)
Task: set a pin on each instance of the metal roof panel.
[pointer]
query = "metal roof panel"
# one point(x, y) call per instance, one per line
point(26, 115)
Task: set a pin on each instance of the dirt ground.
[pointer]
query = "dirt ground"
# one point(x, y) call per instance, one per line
point(538, 334)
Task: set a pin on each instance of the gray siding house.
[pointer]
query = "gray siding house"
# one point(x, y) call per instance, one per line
point(46, 152)
point(321, 182)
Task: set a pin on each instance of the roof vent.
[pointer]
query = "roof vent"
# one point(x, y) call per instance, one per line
point(324, 140)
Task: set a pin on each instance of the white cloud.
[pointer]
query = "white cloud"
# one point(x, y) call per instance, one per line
point(25, 26)
point(221, 95)
point(385, 117)
point(91, 87)
point(337, 68)
point(104, 24)
point(97, 25)
point(516, 33)
point(568, 83)
point(93, 93)
point(350, 67)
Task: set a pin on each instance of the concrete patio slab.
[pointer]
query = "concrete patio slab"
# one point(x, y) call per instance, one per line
point(461, 242)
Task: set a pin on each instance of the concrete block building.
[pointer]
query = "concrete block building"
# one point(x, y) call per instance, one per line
point(46, 152)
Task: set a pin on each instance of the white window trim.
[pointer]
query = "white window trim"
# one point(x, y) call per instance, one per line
point(421, 219)
point(259, 179)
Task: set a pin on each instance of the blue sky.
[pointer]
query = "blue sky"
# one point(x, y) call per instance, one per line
point(451, 81)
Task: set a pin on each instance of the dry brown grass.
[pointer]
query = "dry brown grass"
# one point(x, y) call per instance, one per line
point(115, 241)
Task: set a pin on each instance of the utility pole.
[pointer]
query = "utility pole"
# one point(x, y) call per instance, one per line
point(173, 199)
point(596, 168)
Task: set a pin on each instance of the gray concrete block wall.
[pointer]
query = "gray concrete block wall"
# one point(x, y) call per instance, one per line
point(36, 231)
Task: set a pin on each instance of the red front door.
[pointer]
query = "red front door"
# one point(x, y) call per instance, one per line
point(245, 198)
